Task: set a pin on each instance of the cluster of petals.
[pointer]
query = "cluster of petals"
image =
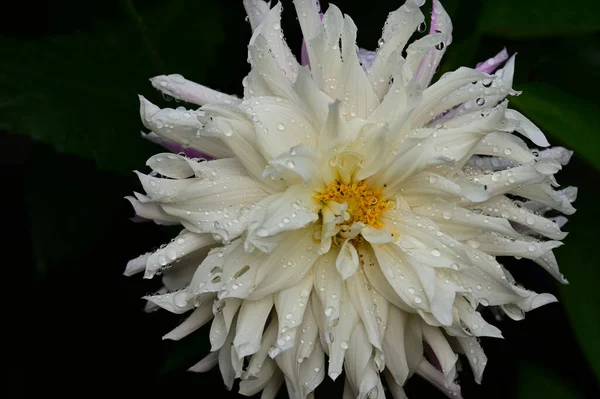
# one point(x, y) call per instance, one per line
point(344, 217)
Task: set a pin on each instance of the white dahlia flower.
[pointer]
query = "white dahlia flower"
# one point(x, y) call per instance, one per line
point(350, 215)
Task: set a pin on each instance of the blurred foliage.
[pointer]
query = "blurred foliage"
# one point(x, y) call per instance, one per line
point(537, 382)
point(517, 19)
point(69, 79)
point(78, 91)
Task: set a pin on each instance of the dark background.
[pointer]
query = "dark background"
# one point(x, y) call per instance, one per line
point(69, 75)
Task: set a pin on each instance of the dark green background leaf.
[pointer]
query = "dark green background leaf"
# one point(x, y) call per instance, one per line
point(78, 91)
point(537, 382)
point(519, 19)
point(569, 119)
point(69, 77)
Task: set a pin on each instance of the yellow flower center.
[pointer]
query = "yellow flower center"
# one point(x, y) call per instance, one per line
point(364, 205)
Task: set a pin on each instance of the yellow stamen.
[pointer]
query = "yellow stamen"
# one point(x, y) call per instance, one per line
point(364, 205)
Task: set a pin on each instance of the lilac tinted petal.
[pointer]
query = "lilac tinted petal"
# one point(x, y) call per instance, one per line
point(304, 54)
point(174, 147)
point(139, 219)
point(366, 57)
point(256, 10)
point(303, 51)
point(440, 24)
point(490, 65)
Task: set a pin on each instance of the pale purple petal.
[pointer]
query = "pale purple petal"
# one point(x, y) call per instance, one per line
point(490, 65)
point(139, 219)
point(304, 55)
point(440, 24)
point(174, 147)
point(303, 51)
point(366, 57)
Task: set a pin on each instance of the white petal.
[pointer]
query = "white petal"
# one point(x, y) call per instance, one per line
point(443, 352)
point(287, 264)
point(362, 100)
point(394, 346)
point(447, 84)
point(308, 336)
point(503, 207)
point(401, 275)
point(206, 364)
point(348, 391)
point(308, 16)
point(270, 28)
point(280, 126)
point(436, 378)
point(184, 244)
point(251, 387)
point(324, 52)
point(461, 223)
point(508, 146)
point(314, 99)
point(359, 366)
point(299, 164)
point(197, 319)
point(474, 322)
point(208, 275)
point(505, 181)
point(250, 325)
point(267, 77)
point(544, 194)
point(227, 370)
point(272, 388)
point(170, 165)
point(302, 378)
point(347, 260)
point(376, 236)
point(440, 22)
point(475, 355)
point(398, 28)
point(180, 88)
point(371, 307)
point(292, 210)
point(256, 10)
point(335, 333)
point(329, 286)
point(527, 128)
point(176, 302)
point(257, 360)
point(396, 389)
point(136, 265)
point(181, 126)
point(377, 279)
point(151, 211)
point(290, 305)
point(413, 343)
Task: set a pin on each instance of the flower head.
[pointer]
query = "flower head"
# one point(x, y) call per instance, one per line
point(351, 212)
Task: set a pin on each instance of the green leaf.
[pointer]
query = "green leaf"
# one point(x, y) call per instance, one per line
point(539, 18)
point(537, 382)
point(78, 92)
point(578, 261)
point(570, 119)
